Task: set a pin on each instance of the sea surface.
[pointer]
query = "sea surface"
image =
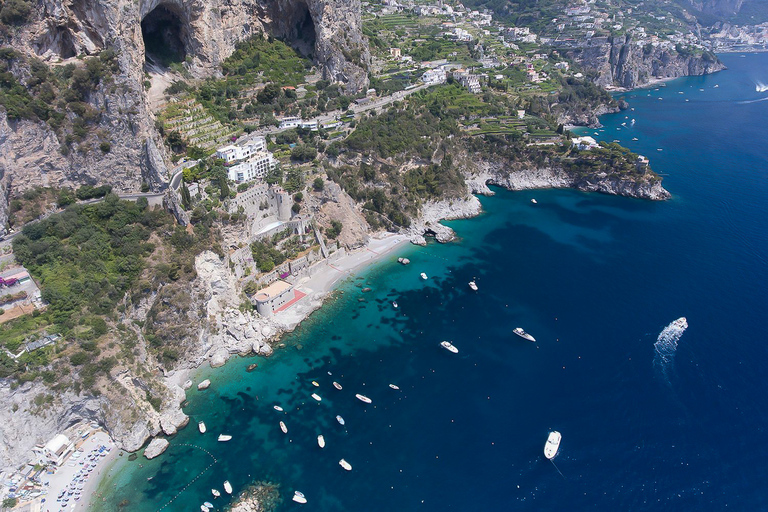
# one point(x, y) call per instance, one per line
point(675, 425)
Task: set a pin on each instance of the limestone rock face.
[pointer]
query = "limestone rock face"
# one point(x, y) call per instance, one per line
point(156, 447)
point(172, 420)
point(204, 32)
point(621, 62)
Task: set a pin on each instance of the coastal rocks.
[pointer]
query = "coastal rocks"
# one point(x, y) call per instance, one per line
point(216, 282)
point(204, 385)
point(172, 420)
point(259, 497)
point(187, 384)
point(428, 223)
point(156, 447)
point(219, 358)
point(135, 437)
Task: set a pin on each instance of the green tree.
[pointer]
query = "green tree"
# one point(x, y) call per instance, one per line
point(186, 199)
point(318, 184)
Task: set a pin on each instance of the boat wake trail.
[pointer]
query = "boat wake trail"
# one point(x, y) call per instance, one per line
point(666, 344)
point(760, 87)
point(746, 102)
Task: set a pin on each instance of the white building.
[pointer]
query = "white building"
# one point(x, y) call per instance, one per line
point(290, 122)
point(562, 65)
point(55, 451)
point(254, 168)
point(232, 153)
point(270, 299)
point(434, 76)
point(584, 143)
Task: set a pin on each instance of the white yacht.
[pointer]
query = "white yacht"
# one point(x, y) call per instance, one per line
point(346, 465)
point(520, 332)
point(424, 276)
point(363, 398)
point(227, 487)
point(473, 285)
point(534, 201)
point(215, 493)
point(321, 441)
point(201, 427)
point(340, 420)
point(315, 383)
point(394, 304)
point(203, 508)
point(224, 437)
point(208, 504)
point(393, 386)
point(337, 385)
point(283, 427)
point(316, 397)
point(448, 346)
point(278, 408)
point(552, 445)
point(299, 497)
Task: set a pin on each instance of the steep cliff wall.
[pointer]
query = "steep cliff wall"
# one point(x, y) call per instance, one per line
point(625, 63)
point(203, 33)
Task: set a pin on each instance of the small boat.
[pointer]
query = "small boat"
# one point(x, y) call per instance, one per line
point(201, 427)
point(449, 347)
point(346, 465)
point(635, 138)
point(204, 508)
point(424, 276)
point(316, 397)
point(215, 493)
point(208, 504)
point(473, 285)
point(394, 386)
point(227, 487)
point(394, 304)
point(224, 437)
point(716, 86)
point(283, 427)
point(552, 445)
point(340, 420)
point(315, 383)
point(299, 497)
point(534, 201)
point(659, 149)
point(363, 398)
point(337, 385)
point(520, 332)
point(321, 441)
point(278, 408)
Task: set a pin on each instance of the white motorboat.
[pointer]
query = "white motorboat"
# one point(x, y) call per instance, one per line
point(316, 397)
point(552, 445)
point(224, 437)
point(208, 504)
point(283, 427)
point(473, 285)
point(340, 420)
point(201, 427)
point(448, 346)
point(299, 497)
point(424, 276)
point(215, 493)
point(337, 385)
point(315, 383)
point(393, 386)
point(204, 508)
point(520, 332)
point(346, 465)
point(278, 408)
point(227, 487)
point(363, 398)
point(394, 304)
point(321, 441)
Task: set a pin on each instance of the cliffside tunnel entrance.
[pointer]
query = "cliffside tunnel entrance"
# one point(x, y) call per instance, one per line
point(165, 37)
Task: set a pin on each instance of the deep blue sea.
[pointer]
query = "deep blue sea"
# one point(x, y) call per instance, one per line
point(595, 279)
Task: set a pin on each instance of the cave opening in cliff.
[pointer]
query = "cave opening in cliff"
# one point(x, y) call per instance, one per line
point(302, 33)
point(164, 37)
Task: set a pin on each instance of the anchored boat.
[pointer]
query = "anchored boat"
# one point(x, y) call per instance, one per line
point(283, 428)
point(299, 497)
point(552, 445)
point(201, 427)
point(227, 486)
point(316, 397)
point(224, 437)
point(473, 285)
point(340, 420)
point(363, 398)
point(321, 441)
point(337, 385)
point(394, 386)
point(520, 332)
point(346, 465)
point(424, 276)
point(215, 493)
point(449, 347)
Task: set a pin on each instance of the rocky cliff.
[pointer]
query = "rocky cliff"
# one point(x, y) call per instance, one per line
point(622, 62)
point(204, 33)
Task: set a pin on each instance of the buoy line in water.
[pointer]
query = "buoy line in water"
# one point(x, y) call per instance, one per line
point(215, 461)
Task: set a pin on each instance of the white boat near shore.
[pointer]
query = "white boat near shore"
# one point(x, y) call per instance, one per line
point(201, 427)
point(224, 438)
point(449, 347)
point(278, 408)
point(283, 427)
point(215, 493)
point(321, 441)
point(393, 386)
point(316, 397)
point(520, 332)
point(299, 497)
point(552, 445)
point(315, 383)
point(337, 385)
point(363, 398)
point(424, 276)
point(227, 487)
point(346, 465)
point(340, 420)
point(534, 201)
point(473, 285)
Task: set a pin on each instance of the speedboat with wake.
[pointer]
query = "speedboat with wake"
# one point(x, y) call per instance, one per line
point(552, 445)
point(520, 332)
point(363, 398)
point(449, 347)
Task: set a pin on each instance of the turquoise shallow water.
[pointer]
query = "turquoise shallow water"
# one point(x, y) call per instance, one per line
point(595, 278)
